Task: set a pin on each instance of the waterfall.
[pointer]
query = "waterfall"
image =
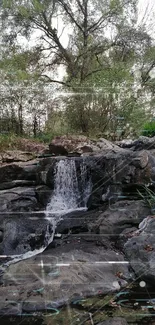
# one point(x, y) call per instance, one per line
point(86, 185)
point(71, 189)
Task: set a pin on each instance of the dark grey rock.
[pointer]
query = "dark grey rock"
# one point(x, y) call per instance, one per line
point(14, 172)
point(30, 171)
point(10, 173)
point(118, 217)
point(15, 183)
point(76, 221)
point(114, 321)
point(140, 250)
point(57, 150)
point(111, 174)
point(19, 199)
point(43, 194)
point(23, 226)
point(68, 273)
point(139, 144)
point(24, 233)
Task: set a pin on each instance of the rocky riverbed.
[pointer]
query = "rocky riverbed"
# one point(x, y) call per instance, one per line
point(78, 266)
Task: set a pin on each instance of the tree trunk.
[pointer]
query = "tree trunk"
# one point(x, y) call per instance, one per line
point(35, 125)
point(20, 118)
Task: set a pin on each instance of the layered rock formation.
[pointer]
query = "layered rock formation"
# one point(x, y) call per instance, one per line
point(89, 253)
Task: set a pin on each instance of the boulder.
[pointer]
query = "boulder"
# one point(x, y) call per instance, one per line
point(20, 171)
point(83, 260)
point(24, 233)
point(77, 222)
point(125, 143)
point(142, 143)
point(23, 226)
point(10, 173)
point(141, 160)
point(25, 197)
point(69, 144)
point(57, 150)
point(119, 216)
point(66, 274)
point(19, 199)
point(84, 148)
point(30, 169)
point(105, 144)
point(118, 174)
point(110, 220)
point(140, 250)
point(10, 156)
point(45, 171)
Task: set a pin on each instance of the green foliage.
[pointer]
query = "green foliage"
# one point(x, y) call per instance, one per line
point(108, 107)
point(7, 141)
point(98, 67)
point(11, 141)
point(149, 129)
point(7, 4)
point(46, 137)
point(38, 6)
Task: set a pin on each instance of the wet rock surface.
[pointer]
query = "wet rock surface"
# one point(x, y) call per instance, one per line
point(72, 271)
point(113, 175)
point(19, 199)
point(22, 223)
point(119, 216)
point(97, 252)
point(115, 321)
point(140, 250)
point(21, 233)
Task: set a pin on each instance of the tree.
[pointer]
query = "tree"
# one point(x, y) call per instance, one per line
point(104, 45)
point(23, 97)
point(88, 40)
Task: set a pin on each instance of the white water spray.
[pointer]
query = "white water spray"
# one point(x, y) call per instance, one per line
point(71, 192)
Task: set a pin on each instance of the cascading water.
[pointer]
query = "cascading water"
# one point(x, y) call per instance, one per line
point(71, 191)
point(86, 185)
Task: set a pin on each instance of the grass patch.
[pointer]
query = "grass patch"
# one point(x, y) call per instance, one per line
point(14, 142)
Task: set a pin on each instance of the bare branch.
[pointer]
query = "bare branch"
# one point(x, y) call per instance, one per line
point(55, 81)
point(146, 76)
point(70, 14)
point(80, 6)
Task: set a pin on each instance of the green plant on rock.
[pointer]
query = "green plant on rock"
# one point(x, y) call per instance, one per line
point(148, 197)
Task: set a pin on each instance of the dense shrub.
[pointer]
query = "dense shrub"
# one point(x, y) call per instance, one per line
point(149, 129)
